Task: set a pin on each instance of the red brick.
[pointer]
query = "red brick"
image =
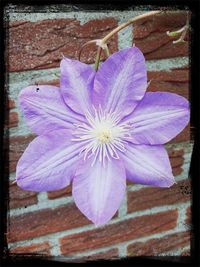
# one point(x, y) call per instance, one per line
point(13, 24)
point(67, 191)
point(119, 232)
point(150, 36)
point(155, 246)
point(11, 103)
point(174, 153)
point(44, 222)
point(188, 216)
point(108, 255)
point(176, 160)
point(171, 87)
point(52, 82)
point(181, 75)
point(177, 170)
point(40, 45)
point(150, 197)
point(36, 249)
point(174, 81)
point(20, 198)
point(17, 146)
point(12, 120)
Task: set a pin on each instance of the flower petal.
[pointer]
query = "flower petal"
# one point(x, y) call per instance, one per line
point(121, 81)
point(98, 190)
point(76, 84)
point(45, 110)
point(48, 162)
point(158, 118)
point(148, 165)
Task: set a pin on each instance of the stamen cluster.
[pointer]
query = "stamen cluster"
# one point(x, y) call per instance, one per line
point(103, 134)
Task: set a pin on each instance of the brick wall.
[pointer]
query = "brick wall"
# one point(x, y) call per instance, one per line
point(151, 221)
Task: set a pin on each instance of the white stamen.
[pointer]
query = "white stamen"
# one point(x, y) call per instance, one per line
point(103, 136)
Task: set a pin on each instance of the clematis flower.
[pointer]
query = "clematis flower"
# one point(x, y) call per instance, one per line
point(97, 129)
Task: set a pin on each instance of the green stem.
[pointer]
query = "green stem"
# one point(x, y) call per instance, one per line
point(98, 58)
point(107, 51)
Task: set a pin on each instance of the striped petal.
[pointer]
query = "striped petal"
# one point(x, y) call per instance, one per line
point(48, 163)
point(158, 118)
point(44, 109)
point(121, 82)
point(99, 190)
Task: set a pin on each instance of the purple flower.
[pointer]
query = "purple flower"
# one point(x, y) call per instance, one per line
point(96, 130)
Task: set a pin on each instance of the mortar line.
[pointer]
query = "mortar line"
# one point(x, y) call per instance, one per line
point(55, 247)
point(43, 203)
point(82, 16)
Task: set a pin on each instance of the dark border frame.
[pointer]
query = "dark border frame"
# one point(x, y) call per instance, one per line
point(194, 7)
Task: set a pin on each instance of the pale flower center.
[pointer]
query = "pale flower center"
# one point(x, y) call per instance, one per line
point(103, 136)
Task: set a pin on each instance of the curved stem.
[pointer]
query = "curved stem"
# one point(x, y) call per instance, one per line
point(116, 30)
point(89, 42)
point(124, 25)
point(119, 28)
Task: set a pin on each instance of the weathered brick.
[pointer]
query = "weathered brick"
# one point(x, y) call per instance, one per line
point(119, 232)
point(177, 170)
point(40, 45)
point(154, 196)
point(150, 36)
point(20, 198)
point(171, 87)
point(12, 120)
point(44, 222)
point(16, 23)
point(188, 216)
point(155, 246)
point(34, 249)
point(176, 160)
point(181, 75)
point(17, 145)
point(110, 254)
point(175, 153)
point(55, 82)
point(11, 103)
point(67, 191)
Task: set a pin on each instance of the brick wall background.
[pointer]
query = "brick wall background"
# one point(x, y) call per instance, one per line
point(151, 221)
